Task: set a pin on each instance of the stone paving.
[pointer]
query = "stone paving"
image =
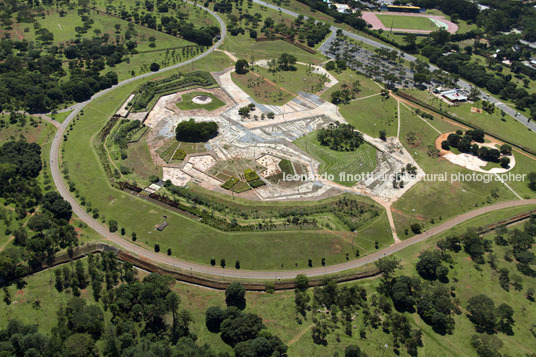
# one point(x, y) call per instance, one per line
point(267, 141)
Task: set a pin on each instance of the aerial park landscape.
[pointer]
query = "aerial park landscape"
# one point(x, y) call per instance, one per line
point(284, 178)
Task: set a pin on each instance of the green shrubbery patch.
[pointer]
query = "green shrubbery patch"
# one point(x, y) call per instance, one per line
point(250, 175)
point(230, 183)
point(148, 94)
point(240, 186)
point(179, 155)
point(286, 166)
point(256, 183)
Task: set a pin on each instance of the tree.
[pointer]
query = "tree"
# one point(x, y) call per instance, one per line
point(383, 135)
point(353, 351)
point(172, 303)
point(532, 180)
point(505, 162)
point(286, 62)
point(39, 222)
point(387, 266)
point(301, 282)
point(235, 295)
point(213, 318)
point(486, 345)
point(506, 149)
point(530, 294)
point(112, 225)
point(505, 315)
point(241, 66)
point(482, 313)
point(154, 67)
point(474, 245)
point(79, 345)
point(428, 264)
point(241, 328)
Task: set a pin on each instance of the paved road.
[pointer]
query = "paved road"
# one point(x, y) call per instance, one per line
point(232, 273)
point(461, 83)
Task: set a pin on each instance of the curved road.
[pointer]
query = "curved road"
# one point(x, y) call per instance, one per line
point(233, 273)
point(461, 83)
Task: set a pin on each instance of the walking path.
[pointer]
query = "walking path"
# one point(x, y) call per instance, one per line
point(230, 273)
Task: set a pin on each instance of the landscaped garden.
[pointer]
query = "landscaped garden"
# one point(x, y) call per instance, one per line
point(199, 100)
point(359, 161)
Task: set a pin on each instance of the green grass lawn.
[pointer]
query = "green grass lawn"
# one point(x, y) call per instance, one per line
point(505, 127)
point(244, 47)
point(278, 310)
point(187, 103)
point(347, 78)
point(261, 90)
point(189, 239)
point(183, 9)
point(278, 88)
point(407, 22)
point(370, 115)
point(60, 117)
point(429, 203)
point(334, 162)
point(301, 79)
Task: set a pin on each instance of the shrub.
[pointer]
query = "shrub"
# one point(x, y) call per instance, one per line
point(112, 225)
point(416, 228)
point(154, 67)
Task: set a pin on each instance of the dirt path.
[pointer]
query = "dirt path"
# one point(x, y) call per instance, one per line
point(299, 335)
point(229, 54)
point(6, 243)
point(455, 123)
point(398, 112)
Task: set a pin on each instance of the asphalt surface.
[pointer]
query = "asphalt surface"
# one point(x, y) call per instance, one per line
point(217, 271)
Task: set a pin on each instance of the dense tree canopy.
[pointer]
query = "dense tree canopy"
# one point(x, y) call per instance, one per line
point(340, 137)
point(190, 131)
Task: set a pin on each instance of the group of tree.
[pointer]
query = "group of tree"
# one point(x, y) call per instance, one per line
point(190, 131)
point(351, 18)
point(245, 332)
point(430, 299)
point(285, 62)
point(490, 318)
point(34, 81)
point(332, 306)
point(340, 137)
point(135, 318)
point(48, 229)
point(464, 143)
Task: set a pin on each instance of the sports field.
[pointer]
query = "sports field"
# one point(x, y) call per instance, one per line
point(407, 22)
